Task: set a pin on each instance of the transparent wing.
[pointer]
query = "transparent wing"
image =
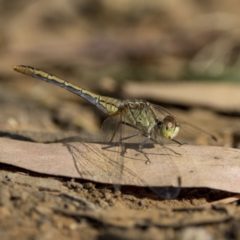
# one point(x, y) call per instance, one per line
point(120, 137)
point(117, 136)
point(188, 131)
point(93, 165)
point(186, 134)
point(113, 148)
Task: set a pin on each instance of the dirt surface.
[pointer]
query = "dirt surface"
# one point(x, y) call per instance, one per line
point(47, 208)
point(101, 46)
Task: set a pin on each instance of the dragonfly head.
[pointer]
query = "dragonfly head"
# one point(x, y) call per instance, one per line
point(169, 127)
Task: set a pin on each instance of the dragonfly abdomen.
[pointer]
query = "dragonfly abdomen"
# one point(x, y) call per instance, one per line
point(105, 104)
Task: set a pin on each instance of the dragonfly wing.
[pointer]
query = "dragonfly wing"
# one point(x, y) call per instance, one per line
point(124, 140)
point(186, 134)
point(187, 129)
point(112, 147)
point(119, 138)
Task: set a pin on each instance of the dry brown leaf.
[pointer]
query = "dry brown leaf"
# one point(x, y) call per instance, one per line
point(222, 201)
point(198, 166)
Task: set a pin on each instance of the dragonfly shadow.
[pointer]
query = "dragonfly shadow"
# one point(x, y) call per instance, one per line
point(91, 164)
point(16, 136)
point(94, 165)
point(114, 148)
point(168, 192)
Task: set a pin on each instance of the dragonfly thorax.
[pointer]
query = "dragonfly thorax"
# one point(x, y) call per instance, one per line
point(168, 127)
point(139, 114)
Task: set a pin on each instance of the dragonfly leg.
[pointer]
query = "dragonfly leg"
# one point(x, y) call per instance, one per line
point(143, 143)
point(140, 148)
point(168, 148)
point(135, 135)
point(180, 144)
point(123, 148)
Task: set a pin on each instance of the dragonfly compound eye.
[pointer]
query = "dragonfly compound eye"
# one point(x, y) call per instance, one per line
point(169, 127)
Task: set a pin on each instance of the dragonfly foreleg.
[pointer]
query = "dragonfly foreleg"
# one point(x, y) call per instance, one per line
point(180, 144)
point(168, 148)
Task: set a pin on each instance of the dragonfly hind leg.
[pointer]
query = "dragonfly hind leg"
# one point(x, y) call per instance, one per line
point(140, 148)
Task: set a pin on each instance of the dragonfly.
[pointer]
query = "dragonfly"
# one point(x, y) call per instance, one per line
point(128, 120)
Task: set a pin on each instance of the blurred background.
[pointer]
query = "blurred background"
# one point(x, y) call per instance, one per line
point(183, 55)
